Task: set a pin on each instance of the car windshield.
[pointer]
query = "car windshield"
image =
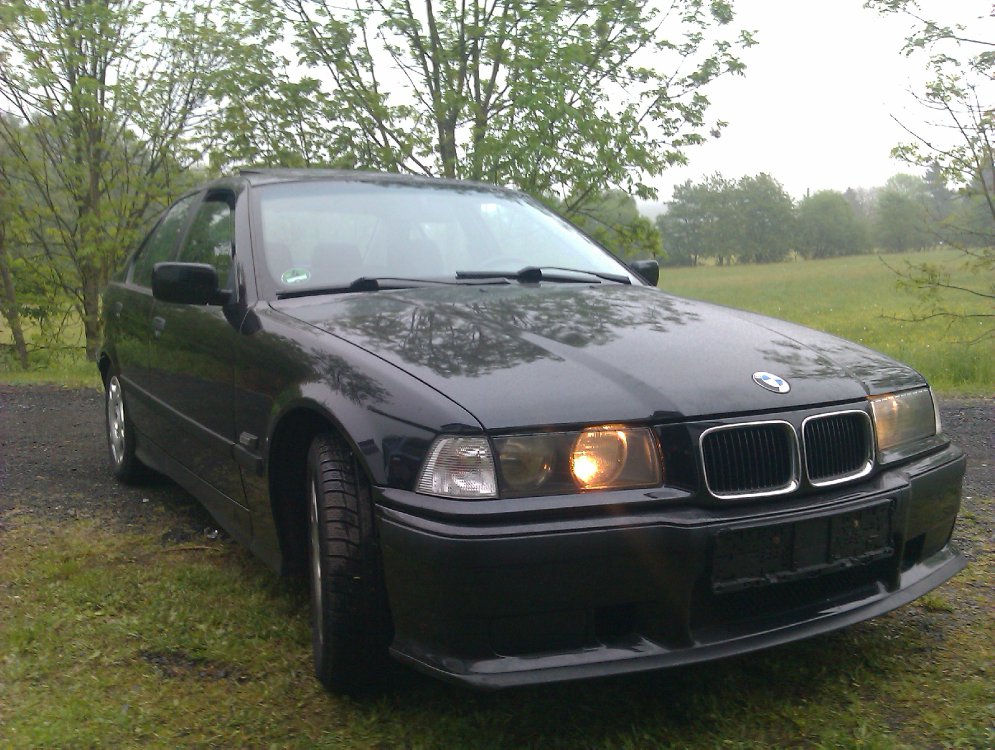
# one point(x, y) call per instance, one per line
point(326, 234)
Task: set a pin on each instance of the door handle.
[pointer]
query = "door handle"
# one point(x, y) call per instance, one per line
point(158, 325)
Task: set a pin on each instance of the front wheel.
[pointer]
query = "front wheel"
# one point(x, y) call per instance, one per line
point(350, 627)
point(121, 435)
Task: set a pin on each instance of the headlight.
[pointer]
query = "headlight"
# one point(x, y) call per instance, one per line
point(527, 462)
point(598, 458)
point(902, 418)
point(460, 468)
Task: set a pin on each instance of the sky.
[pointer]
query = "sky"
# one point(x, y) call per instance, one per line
point(815, 108)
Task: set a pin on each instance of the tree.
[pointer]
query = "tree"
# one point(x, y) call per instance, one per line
point(27, 296)
point(563, 99)
point(765, 215)
point(961, 59)
point(613, 219)
point(750, 220)
point(698, 222)
point(107, 104)
point(901, 215)
point(10, 309)
point(828, 226)
point(941, 200)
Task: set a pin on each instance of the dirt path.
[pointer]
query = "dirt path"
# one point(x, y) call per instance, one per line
point(53, 463)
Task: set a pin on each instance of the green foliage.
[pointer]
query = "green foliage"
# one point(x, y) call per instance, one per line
point(108, 104)
point(901, 219)
point(828, 226)
point(561, 98)
point(693, 226)
point(765, 215)
point(961, 59)
point(899, 223)
point(263, 115)
point(614, 221)
point(750, 220)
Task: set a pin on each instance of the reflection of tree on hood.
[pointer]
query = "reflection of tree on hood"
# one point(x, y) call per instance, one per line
point(873, 369)
point(487, 329)
point(274, 355)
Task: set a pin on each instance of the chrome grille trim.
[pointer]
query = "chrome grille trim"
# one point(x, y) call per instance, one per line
point(750, 455)
point(838, 446)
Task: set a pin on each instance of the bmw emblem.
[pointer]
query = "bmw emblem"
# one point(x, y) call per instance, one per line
point(771, 382)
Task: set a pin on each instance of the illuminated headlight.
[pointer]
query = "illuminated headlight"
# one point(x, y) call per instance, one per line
point(903, 418)
point(598, 458)
point(459, 467)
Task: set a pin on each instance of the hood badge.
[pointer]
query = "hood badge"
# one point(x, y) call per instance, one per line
point(771, 382)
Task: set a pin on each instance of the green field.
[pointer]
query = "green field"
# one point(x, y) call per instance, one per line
point(855, 297)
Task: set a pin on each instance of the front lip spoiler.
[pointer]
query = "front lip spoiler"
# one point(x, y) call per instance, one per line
point(644, 655)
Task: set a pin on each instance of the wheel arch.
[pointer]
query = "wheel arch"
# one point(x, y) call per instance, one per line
point(287, 461)
point(104, 366)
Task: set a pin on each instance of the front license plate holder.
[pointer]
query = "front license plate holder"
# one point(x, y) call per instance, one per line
point(762, 555)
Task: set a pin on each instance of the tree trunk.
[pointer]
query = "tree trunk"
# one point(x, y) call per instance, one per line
point(8, 303)
point(476, 157)
point(447, 146)
point(92, 327)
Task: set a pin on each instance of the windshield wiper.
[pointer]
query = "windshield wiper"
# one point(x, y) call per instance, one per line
point(377, 283)
point(535, 274)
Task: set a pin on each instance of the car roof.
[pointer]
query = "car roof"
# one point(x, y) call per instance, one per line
point(270, 175)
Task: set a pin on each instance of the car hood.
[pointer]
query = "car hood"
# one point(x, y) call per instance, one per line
point(521, 355)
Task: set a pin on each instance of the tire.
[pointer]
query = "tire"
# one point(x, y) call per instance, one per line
point(121, 435)
point(350, 625)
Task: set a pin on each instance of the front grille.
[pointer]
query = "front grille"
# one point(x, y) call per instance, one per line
point(750, 459)
point(838, 446)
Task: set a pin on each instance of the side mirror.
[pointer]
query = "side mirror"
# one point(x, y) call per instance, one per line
point(647, 270)
point(188, 284)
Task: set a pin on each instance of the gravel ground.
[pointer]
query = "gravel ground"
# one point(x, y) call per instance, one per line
point(53, 463)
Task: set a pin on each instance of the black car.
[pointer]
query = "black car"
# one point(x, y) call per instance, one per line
point(500, 454)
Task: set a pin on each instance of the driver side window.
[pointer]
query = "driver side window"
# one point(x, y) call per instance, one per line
point(212, 235)
point(161, 242)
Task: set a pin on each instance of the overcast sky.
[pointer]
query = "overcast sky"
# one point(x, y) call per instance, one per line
point(815, 107)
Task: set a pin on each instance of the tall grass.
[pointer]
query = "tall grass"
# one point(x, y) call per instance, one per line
point(858, 298)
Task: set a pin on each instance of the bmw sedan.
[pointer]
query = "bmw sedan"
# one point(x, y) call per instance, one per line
point(498, 453)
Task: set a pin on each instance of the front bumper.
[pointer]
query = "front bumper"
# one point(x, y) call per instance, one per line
point(492, 601)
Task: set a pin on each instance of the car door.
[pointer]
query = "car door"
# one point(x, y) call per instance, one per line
point(128, 306)
point(193, 364)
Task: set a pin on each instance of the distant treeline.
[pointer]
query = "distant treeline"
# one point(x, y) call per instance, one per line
point(753, 220)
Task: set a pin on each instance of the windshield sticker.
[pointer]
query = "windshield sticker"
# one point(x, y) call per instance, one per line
point(295, 276)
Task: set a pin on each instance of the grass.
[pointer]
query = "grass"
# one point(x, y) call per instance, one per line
point(71, 374)
point(64, 365)
point(855, 297)
point(122, 639)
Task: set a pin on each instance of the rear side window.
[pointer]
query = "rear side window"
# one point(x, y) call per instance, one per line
point(161, 242)
point(211, 235)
